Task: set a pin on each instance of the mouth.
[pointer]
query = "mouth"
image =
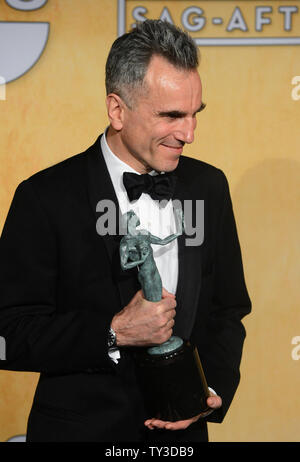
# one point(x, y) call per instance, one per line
point(175, 149)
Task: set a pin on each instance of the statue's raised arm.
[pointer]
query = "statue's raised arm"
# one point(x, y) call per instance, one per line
point(180, 227)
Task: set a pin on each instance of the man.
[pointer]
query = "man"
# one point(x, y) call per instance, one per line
point(69, 311)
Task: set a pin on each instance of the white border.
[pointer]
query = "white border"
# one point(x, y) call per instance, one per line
point(213, 41)
point(247, 41)
point(121, 17)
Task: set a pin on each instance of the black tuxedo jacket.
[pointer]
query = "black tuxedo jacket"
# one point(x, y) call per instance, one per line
point(61, 284)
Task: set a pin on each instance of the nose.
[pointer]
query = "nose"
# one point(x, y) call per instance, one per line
point(186, 130)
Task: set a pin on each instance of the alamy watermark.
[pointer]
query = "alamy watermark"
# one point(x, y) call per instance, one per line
point(111, 223)
point(2, 348)
point(296, 90)
point(296, 350)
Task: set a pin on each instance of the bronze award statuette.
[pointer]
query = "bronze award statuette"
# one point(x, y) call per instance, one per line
point(170, 374)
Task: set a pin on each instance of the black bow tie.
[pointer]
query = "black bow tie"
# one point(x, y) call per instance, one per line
point(159, 187)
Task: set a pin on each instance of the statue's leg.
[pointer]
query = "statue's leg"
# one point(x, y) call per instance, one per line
point(151, 285)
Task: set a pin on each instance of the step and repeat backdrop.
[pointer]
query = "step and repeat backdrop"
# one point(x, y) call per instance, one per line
point(52, 106)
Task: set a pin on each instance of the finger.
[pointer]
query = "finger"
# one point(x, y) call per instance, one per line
point(165, 293)
point(139, 295)
point(157, 423)
point(170, 324)
point(168, 317)
point(149, 425)
point(150, 421)
point(168, 304)
point(180, 425)
point(214, 402)
point(173, 426)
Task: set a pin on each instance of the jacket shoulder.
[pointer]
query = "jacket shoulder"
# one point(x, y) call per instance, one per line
point(193, 170)
point(68, 173)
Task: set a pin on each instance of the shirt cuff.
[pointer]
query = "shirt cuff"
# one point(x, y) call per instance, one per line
point(114, 354)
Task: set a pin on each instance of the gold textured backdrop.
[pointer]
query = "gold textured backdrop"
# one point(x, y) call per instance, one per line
point(250, 129)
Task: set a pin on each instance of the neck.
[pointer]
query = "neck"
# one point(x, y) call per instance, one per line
point(113, 138)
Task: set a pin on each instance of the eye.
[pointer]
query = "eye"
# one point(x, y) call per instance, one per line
point(172, 115)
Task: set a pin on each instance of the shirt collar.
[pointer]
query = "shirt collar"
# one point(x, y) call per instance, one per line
point(115, 165)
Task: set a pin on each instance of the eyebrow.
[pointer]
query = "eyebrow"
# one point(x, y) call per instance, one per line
point(179, 114)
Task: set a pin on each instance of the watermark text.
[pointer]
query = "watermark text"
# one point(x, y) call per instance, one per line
point(296, 90)
point(109, 223)
point(2, 348)
point(296, 350)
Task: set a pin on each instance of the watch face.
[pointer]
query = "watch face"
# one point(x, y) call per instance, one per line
point(111, 337)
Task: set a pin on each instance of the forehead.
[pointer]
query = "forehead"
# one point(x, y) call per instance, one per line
point(166, 84)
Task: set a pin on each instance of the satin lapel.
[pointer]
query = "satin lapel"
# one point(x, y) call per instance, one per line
point(189, 277)
point(100, 187)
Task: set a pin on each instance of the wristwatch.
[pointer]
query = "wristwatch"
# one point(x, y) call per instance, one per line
point(112, 338)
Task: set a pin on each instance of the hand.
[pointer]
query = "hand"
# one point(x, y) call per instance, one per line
point(214, 402)
point(144, 323)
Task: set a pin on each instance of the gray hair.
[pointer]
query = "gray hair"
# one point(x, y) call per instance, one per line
point(130, 55)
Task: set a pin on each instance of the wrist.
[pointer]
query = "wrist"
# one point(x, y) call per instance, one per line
point(116, 325)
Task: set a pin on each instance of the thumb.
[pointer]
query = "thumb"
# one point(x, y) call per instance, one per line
point(214, 402)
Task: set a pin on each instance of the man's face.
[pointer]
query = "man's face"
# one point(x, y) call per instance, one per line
point(162, 118)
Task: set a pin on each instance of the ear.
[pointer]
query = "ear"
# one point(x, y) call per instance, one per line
point(115, 111)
